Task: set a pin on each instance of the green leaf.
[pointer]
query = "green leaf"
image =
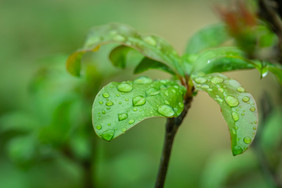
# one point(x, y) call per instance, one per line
point(118, 56)
point(221, 60)
point(147, 64)
point(150, 46)
point(237, 106)
point(208, 37)
point(120, 106)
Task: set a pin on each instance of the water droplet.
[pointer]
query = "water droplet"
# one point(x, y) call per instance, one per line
point(99, 127)
point(108, 135)
point(126, 99)
point(150, 40)
point(109, 124)
point(247, 140)
point(200, 80)
point(216, 80)
point(103, 112)
point(253, 109)
point(131, 121)
point(123, 129)
point(120, 102)
point(138, 101)
point(173, 91)
point(106, 95)
point(135, 109)
point(124, 87)
point(236, 127)
point(243, 114)
point(232, 101)
point(166, 110)
point(245, 98)
point(118, 95)
point(254, 128)
point(221, 90)
point(101, 102)
point(235, 116)
point(152, 92)
point(237, 150)
point(109, 103)
point(119, 38)
point(180, 104)
point(217, 98)
point(143, 80)
point(240, 89)
point(122, 116)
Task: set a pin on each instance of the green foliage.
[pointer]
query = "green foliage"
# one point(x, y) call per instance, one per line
point(112, 115)
point(120, 106)
point(150, 46)
point(237, 106)
point(208, 37)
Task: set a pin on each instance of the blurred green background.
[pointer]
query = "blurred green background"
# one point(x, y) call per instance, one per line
point(38, 35)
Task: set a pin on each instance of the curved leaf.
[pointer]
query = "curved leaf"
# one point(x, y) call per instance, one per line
point(237, 106)
point(221, 60)
point(119, 56)
point(150, 46)
point(264, 67)
point(207, 37)
point(120, 106)
point(147, 64)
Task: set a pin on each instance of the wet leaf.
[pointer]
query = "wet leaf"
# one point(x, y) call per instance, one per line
point(150, 46)
point(120, 106)
point(221, 60)
point(238, 108)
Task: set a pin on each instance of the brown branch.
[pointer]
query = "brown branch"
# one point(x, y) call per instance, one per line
point(172, 126)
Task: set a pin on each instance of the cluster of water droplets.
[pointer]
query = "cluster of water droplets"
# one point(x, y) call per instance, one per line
point(163, 89)
point(222, 89)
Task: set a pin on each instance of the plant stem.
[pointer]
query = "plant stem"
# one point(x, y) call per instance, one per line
point(172, 126)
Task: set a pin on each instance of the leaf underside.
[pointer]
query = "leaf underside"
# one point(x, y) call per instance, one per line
point(120, 106)
point(237, 106)
point(150, 46)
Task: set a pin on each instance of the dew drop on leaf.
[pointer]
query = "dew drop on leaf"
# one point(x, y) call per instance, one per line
point(166, 110)
point(235, 116)
point(108, 135)
point(122, 116)
point(232, 101)
point(152, 92)
point(124, 87)
point(106, 95)
point(216, 80)
point(143, 80)
point(123, 129)
point(135, 109)
point(109, 103)
point(131, 121)
point(100, 102)
point(99, 127)
point(200, 80)
point(205, 86)
point(240, 89)
point(253, 109)
point(150, 40)
point(103, 112)
point(138, 101)
point(247, 140)
point(246, 99)
point(237, 150)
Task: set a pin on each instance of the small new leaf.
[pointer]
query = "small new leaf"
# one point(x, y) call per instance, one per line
point(237, 106)
point(208, 37)
point(221, 60)
point(120, 106)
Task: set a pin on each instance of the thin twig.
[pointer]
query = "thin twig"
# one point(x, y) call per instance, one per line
point(172, 126)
